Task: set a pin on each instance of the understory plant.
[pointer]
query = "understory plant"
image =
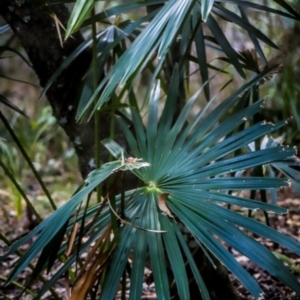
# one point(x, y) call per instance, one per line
point(185, 170)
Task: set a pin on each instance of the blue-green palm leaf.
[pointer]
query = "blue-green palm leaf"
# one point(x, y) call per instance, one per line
point(190, 168)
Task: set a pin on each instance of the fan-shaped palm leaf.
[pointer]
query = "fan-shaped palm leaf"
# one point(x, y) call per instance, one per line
point(186, 180)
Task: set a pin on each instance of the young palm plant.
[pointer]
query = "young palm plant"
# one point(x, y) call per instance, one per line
point(184, 169)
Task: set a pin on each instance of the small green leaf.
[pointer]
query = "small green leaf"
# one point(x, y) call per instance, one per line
point(79, 13)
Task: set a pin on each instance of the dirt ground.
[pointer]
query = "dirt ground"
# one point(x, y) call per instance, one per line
point(274, 290)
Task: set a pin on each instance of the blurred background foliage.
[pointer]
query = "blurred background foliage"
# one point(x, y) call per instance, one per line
point(45, 142)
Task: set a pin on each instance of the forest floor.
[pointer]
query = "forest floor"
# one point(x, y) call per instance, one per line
point(274, 290)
